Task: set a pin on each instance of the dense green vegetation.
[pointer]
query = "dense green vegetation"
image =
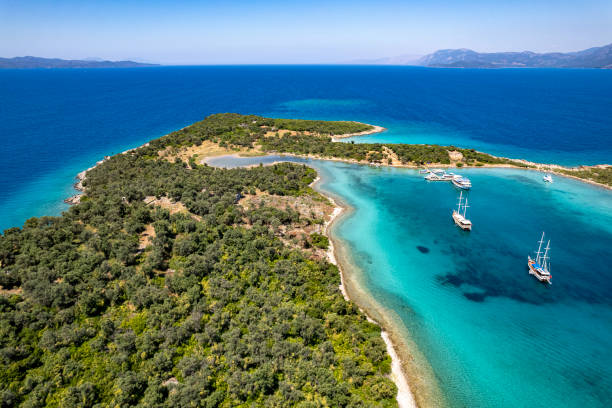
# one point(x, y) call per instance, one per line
point(601, 175)
point(476, 158)
point(214, 311)
point(313, 138)
point(321, 126)
point(324, 147)
point(319, 240)
point(245, 130)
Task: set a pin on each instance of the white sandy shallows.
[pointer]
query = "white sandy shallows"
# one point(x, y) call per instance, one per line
point(405, 399)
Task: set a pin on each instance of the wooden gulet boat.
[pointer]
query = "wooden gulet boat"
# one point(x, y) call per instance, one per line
point(459, 214)
point(540, 266)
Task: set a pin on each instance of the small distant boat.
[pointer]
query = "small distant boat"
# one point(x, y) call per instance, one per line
point(459, 218)
point(439, 175)
point(540, 267)
point(547, 178)
point(462, 182)
point(424, 171)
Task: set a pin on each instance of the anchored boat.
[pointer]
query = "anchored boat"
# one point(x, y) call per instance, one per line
point(459, 218)
point(434, 174)
point(547, 178)
point(439, 175)
point(540, 267)
point(463, 183)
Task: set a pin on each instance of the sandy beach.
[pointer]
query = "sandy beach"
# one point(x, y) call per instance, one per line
point(405, 399)
point(375, 129)
point(409, 370)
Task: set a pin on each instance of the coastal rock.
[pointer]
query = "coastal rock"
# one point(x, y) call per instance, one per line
point(455, 155)
point(75, 199)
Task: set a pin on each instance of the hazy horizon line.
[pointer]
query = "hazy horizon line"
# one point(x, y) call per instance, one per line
point(355, 61)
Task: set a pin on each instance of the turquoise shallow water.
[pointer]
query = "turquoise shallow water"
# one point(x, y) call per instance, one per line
point(494, 336)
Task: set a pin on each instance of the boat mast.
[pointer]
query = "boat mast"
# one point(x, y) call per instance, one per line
point(460, 200)
point(539, 253)
point(545, 257)
point(465, 206)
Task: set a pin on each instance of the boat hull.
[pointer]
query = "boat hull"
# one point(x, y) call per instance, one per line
point(461, 222)
point(438, 178)
point(539, 276)
point(461, 186)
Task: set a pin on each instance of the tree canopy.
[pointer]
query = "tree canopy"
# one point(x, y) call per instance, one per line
point(120, 302)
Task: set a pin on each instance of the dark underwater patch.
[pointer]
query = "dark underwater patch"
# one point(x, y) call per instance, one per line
point(450, 279)
point(484, 284)
point(475, 297)
point(364, 257)
point(525, 179)
point(422, 249)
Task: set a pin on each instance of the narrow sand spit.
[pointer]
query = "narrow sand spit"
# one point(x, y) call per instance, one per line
point(375, 129)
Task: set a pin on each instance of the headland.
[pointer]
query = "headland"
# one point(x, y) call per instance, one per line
point(251, 135)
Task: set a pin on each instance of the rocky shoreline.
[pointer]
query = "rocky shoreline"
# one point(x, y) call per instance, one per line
point(80, 178)
point(75, 199)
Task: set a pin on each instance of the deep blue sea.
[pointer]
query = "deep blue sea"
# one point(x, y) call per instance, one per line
point(493, 336)
point(55, 123)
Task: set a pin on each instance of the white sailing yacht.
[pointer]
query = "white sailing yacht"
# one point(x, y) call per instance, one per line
point(540, 267)
point(459, 218)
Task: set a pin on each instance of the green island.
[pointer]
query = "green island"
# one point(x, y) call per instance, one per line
point(176, 284)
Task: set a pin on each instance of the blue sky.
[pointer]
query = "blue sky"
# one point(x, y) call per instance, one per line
point(270, 31)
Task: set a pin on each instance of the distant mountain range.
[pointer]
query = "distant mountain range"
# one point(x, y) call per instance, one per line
point(36, 62)
point(597, 57)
